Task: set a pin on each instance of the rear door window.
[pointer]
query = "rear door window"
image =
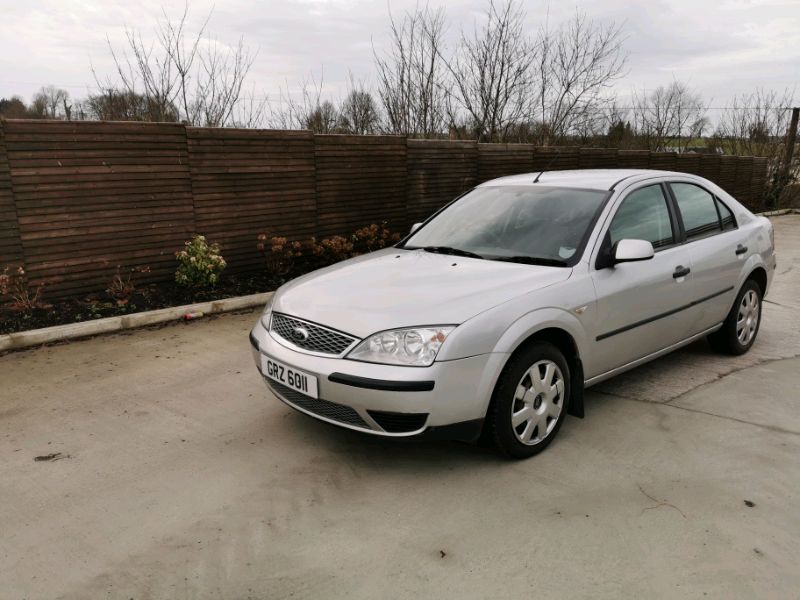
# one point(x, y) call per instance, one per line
point(698, 210)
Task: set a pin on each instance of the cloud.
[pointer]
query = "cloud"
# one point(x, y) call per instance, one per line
point(720, 48)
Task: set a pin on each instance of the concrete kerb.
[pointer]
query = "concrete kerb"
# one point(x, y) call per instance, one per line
point(71, 331)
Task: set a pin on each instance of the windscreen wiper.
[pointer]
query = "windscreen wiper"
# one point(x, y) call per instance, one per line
point(449, 250)
point(532, 260)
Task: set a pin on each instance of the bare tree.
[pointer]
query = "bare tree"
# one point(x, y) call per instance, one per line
point(251, 111)
point(756, 125)
point(575, 67)
point(323, 118)
point(13, 108)
point(358, 113)
point(490, 73)
point(182, 55)
point(304, 110)
point(669, 117)
point(196, 76)
point(116, 105)
point(411, 75)
point(219, 84)
point(143, 72)
point(51, 102)
point(618, 131)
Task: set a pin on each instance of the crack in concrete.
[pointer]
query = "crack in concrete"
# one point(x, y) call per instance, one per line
point(721, 376)
point(658, 503)
point(717, 378)
point(781, 305)
point(774, 428)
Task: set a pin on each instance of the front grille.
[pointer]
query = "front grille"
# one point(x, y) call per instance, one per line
point(399, 422)
point(320, 339)
point(318, 406)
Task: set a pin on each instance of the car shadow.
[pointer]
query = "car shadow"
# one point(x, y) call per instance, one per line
point(428, 455)
point(395, 452)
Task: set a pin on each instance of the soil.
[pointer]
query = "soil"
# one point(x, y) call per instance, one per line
point(146, 297)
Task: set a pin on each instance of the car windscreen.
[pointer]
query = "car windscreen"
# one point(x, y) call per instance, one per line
point(546, 223)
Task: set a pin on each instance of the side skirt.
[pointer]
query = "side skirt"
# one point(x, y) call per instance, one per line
point(640, 361)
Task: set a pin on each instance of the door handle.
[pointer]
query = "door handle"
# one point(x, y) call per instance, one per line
point(681, 271)
point(740, 249)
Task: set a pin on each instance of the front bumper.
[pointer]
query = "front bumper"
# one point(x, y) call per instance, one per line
point(387, 400)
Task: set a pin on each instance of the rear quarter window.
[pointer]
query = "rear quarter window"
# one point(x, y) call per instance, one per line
point(725, 214)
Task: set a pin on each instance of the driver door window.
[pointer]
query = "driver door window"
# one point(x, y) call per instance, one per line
point(643, 215)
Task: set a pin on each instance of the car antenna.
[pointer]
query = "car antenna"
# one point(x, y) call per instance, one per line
point(546, 168)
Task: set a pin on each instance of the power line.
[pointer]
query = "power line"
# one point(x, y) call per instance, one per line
point(719, 107)
point(265, 98)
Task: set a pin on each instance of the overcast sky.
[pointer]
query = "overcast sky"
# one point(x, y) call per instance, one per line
point(720, 47)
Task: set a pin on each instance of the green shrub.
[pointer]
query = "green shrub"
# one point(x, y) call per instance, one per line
point(199, 264)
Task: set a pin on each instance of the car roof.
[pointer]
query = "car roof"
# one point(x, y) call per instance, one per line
point(596, 179)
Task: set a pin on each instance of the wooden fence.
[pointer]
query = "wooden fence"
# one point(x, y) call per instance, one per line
point(79, 198)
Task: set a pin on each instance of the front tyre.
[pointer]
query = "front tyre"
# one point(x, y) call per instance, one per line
point(738, 332)
point(530, 400)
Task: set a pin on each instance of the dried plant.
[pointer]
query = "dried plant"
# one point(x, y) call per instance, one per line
point(372, 237)
point(123, 284)
point(279, 253)
point(24, 297)
point(332, 249)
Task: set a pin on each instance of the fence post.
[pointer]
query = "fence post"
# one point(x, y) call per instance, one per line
point(791, 139)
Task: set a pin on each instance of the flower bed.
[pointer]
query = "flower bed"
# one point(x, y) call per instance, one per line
point(200, 277)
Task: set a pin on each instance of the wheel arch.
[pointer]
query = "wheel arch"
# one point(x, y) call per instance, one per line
point(566, 334)
point(759, 275)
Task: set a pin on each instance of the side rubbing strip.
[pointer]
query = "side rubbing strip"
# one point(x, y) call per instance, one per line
point(662, 315)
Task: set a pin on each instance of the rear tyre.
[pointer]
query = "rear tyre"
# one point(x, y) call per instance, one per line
point(530, 401)
point(738, 333)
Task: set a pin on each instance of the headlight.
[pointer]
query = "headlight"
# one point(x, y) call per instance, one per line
point(266, 316)
point(268, 307)
point(411, 346)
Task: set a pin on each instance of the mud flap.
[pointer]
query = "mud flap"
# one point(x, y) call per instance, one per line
point(576, 389)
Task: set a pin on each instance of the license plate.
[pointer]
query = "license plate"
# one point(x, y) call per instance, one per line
point(291, 377)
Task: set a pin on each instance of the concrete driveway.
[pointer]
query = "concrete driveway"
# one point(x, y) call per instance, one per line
point(181, 477)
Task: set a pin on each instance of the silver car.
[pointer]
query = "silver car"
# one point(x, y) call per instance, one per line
point(491, 318)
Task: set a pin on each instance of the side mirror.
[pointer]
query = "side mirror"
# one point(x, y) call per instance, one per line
point(632, 251)
point(415, 226)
